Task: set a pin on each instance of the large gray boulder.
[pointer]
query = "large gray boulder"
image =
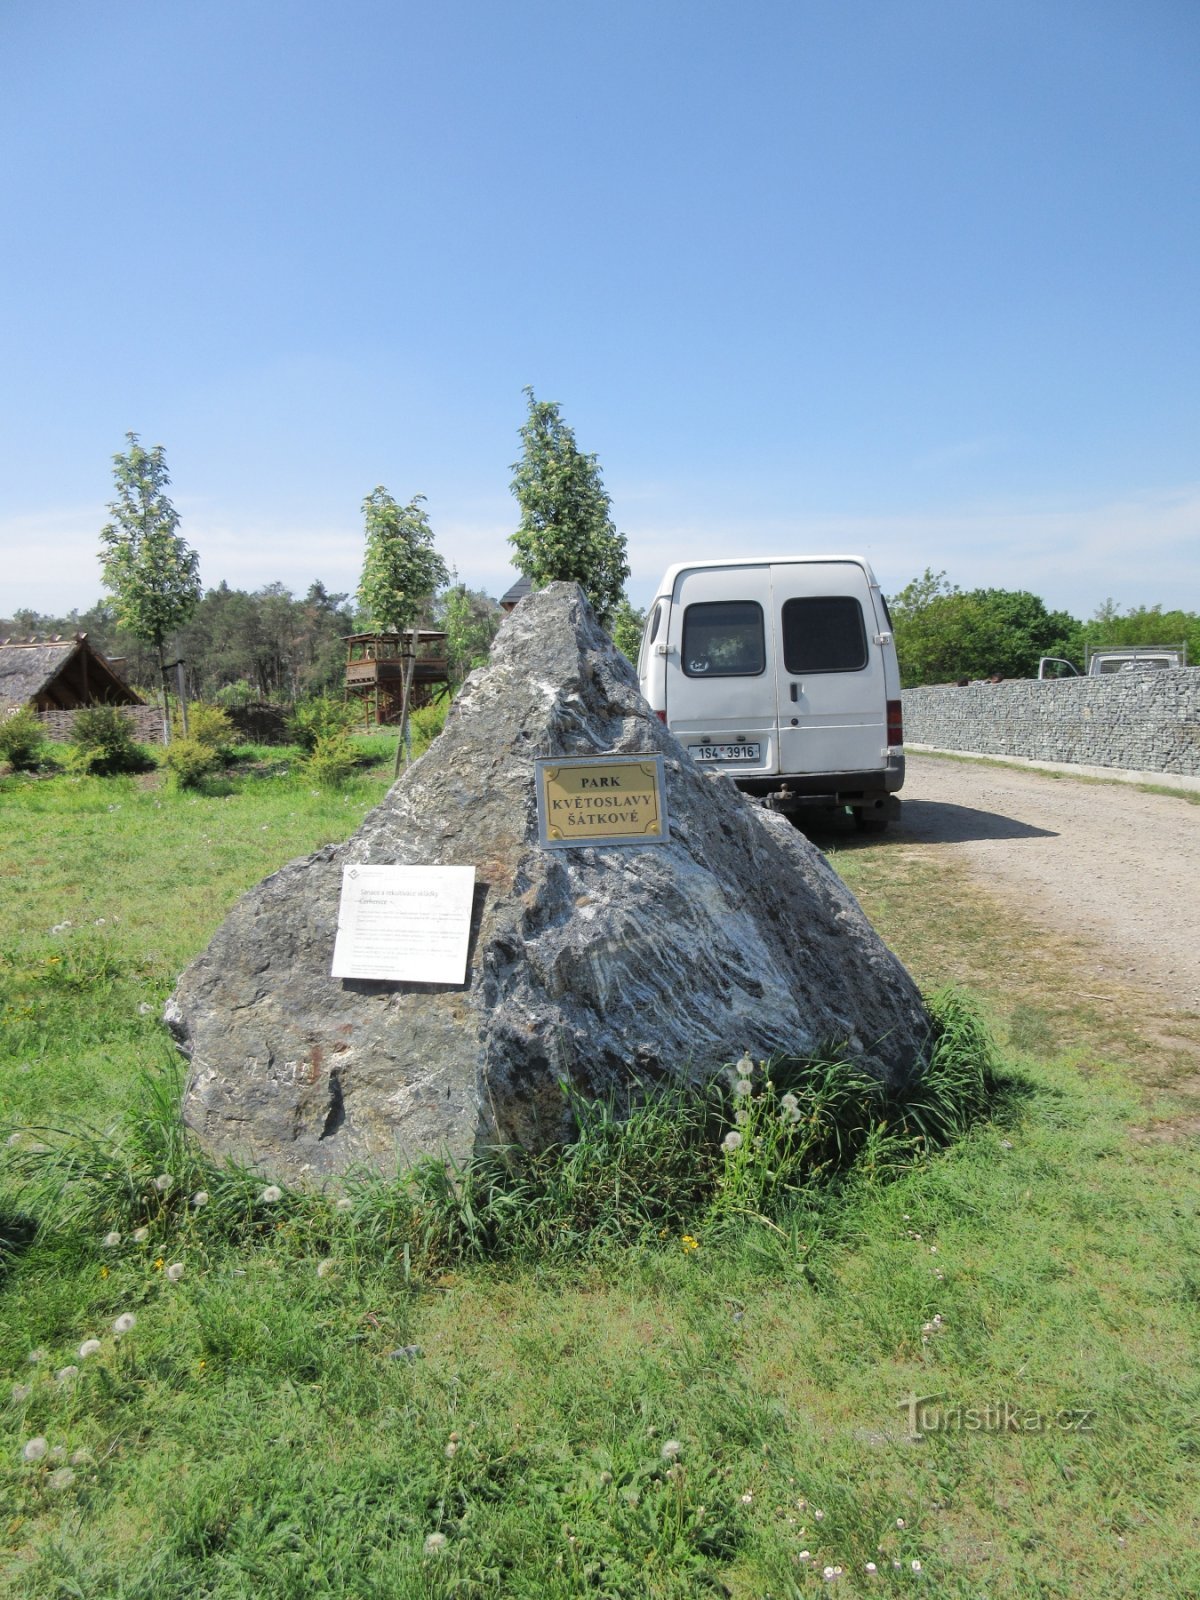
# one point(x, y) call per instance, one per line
point(606, 967)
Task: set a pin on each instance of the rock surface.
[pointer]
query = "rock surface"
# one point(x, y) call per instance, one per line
point(603, 966)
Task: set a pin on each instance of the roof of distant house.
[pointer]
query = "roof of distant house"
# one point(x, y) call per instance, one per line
point(51, 674)
point(517, 593)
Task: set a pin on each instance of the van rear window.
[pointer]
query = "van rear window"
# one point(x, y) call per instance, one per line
point(723, 639)
point(824, 633)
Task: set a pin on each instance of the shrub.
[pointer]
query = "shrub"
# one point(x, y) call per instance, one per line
point(332, 761)
point(207, 724)
point(102, 743)
point(22, 740)
point(189, 761)
point(320, 718)
point(427, 723)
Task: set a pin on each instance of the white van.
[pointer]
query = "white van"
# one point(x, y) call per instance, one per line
point(781, 671)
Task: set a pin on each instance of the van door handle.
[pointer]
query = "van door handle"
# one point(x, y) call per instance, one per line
point(797, 689)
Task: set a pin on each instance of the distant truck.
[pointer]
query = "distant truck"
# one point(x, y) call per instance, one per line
point(1105, 659)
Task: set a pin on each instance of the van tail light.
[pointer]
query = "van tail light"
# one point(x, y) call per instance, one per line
point(662, 716)
point(895, 723)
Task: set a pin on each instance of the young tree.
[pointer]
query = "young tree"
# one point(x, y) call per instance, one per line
point(566, 530)
point(627, 628)
point(149, 567)
point(470, 619)
point(401, 571)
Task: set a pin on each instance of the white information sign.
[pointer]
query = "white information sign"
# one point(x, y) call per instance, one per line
point(410, 924)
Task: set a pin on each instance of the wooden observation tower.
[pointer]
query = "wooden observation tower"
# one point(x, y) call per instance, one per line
point(375, 668)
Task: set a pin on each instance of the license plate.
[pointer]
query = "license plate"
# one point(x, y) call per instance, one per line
point(725, 752)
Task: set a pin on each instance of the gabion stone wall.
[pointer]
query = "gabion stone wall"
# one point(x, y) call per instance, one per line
point(1148, 721)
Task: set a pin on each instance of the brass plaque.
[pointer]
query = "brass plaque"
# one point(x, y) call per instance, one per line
point(601, 800)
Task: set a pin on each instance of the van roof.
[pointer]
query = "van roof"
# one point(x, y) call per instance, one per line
point(668, 582)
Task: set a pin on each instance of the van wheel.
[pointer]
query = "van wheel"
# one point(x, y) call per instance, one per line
point(869, 824)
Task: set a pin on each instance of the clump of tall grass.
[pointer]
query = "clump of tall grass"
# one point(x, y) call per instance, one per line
point(760, 1141)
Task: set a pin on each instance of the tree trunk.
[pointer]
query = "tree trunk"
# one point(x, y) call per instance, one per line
point(404, 742)
point(166, 695)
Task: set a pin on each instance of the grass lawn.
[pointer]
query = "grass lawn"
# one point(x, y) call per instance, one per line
point(977, 1370)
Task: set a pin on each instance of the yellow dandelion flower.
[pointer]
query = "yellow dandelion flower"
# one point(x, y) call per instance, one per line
point(689, 1243)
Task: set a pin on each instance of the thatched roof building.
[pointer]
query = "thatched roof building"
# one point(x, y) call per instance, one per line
point(59, 675)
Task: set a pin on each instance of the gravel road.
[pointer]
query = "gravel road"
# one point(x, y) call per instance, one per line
point(1105, 863)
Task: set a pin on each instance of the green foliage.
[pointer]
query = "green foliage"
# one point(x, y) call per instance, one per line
point(627, 628)
point(320, 718)
point(147, 565)
point(943, 633)
point(191, 760)
point(102, 743)
point(208, 725)
point(427, 723)
point(566, 530)
point(401, 569)
point(332, 761)
point(22, 740)
point(470, 619)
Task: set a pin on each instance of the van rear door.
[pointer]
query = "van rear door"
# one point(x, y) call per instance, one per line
point(721, 692)
point(832, 697)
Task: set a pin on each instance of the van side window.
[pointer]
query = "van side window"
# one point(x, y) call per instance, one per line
point(724, 639)
point(824, 633)
point(656, 618)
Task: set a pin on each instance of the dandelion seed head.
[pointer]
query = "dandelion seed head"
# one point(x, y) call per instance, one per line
point(140, 1235)
point(35, 1356)
point(451, 1450)
point(81, 1458)
point(270, 1194)
point(732, 1141)
point(435, 1543)
point(21, 1392)
point(163, 1182)
point(872, 1568)
point(900, 1522)
point(125, 1323)
point(345, 1203)
point(747, 1499)
point(326, 1267)
point(820, 1516)
point(743, 1087)
point(62, 1479)
point(827, 1573)
point(789, 1102)
point(745, 1066)
point(89, 1347)
point(671, 1450)
point(65, 1374)
point(111, 1240)
point(805, 1555)
point(199, 1199)
point(175, 1271)
point(605, 1479)
point(916, 1566)
point(35, 1449)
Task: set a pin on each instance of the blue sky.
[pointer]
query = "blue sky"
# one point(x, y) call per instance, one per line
point(912, 278)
